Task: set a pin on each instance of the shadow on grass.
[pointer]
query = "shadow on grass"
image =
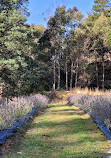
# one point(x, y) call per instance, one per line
point(57, 105)
point(69, 111)
point(56, 139)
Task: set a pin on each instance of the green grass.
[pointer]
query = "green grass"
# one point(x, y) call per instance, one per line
point(59, 132)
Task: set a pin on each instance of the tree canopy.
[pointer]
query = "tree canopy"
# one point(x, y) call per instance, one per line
point(72, 51)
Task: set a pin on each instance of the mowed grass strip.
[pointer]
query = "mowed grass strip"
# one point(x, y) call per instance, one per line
point(60, 132)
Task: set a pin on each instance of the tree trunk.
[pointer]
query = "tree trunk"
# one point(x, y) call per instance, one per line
point(71, 75)
point(66, 77)
point(103, 72)
point(54, 74)
point(66, 66)
point(58, 75)
point(76, 80)
point(97, 83)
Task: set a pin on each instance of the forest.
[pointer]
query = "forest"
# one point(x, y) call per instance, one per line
point(55, 82)
point(73, 51)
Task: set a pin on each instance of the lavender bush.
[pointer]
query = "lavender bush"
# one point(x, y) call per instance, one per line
point(17, 108)
point(99, 106)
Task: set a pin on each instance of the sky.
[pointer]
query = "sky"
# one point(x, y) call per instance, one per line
point(41, 10)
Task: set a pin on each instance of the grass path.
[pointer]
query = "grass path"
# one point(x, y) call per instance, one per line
point(59, 132)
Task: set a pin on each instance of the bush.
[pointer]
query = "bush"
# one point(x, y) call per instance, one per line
point(17, 108)
point(99, 106)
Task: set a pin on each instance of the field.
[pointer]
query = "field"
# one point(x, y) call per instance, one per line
point(60, 131)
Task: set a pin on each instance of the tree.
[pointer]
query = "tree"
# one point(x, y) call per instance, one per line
point(97, 26)
point(16, 42)
point(101, 5)
point(57, 27)
point(99, 29)
point(72, 47)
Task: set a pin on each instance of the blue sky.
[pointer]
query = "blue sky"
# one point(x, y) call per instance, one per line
point(41, 10)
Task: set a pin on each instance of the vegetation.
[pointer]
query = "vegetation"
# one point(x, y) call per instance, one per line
point(71, 52)
point(99, 106)
point(17, 108)
point(20, 73)
point(76, 50)
point(79, 48)
point(60, 132)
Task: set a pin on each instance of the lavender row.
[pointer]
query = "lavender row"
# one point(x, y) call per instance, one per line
point(99, 106)
point(17, 108)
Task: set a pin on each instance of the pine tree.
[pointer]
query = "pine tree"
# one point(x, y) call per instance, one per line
point(14, 41)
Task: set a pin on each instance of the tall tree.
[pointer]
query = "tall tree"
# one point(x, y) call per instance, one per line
point(101, 6)
point(15, 43)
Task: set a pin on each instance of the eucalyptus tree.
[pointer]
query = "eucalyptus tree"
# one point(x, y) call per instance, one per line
point(60, 26)
point(71, 45)
point(74, 20)
point(56, 25)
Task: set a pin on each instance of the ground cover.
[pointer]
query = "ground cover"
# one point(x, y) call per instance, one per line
point(98, 105)
point(15, 109)
point(59, 132)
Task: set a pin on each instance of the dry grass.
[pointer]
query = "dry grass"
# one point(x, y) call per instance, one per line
point(61, 96)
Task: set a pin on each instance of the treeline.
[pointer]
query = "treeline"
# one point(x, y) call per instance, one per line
point(72, 51)
point(20, 72)
point(80, 48)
